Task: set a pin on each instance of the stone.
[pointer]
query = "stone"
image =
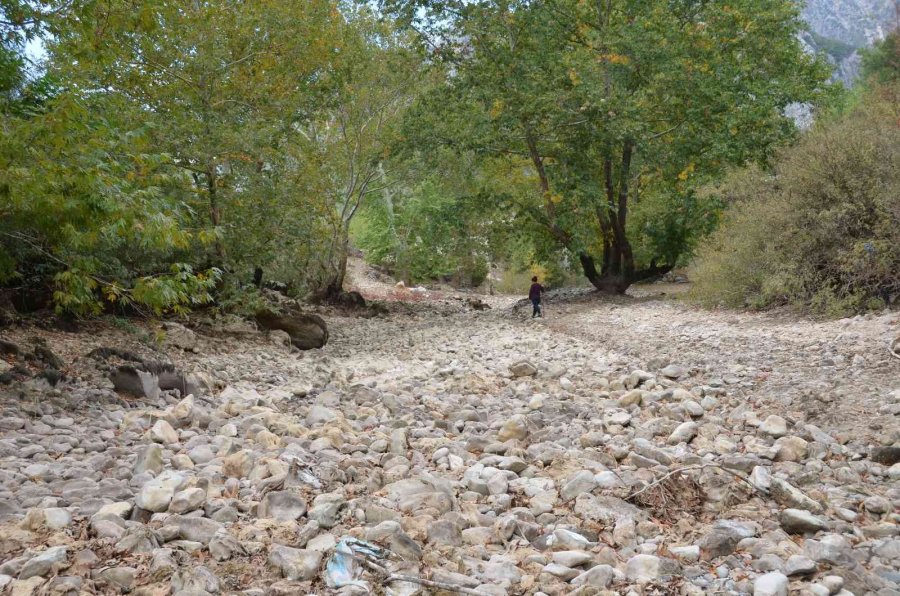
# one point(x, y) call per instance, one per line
point(582, 482)
point(771, 584)
point(683, 433)
point(600, 576)
point(307, 331)
point(149, 459)
point(295, 564)
point(326, 509)
point(791, 448)
point(162, 432)
point(799, 565)
point(886, 456)
point(156, 494)
point(239, 464)
point(282, 506)
point(195, 579)
point(647, 568)
point(523, 368)
point(131, 381)
point(196, 529)
point(514, 428)
point(775, 426)
point(187, 500)
point(44, 563)
point(799, 521)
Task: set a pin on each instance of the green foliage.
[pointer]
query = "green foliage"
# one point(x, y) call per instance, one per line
point(881, 63)
point(822, 231)
point(587, 116)
point(425, 233)
point(171, 149)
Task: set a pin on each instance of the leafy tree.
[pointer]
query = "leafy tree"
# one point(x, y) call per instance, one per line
point(881, 63)
point(435, 227)
point(821, 231)
point(220, 85)
point(608, 106)
point(352, 138)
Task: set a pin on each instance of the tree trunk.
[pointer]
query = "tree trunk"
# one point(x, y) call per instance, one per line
point(215, 213)
point(335, 287)
point(400, 253)
point(622, 215)
point(617, 270)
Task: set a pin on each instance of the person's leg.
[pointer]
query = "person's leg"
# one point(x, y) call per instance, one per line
point(540, 309)
point(536, 308)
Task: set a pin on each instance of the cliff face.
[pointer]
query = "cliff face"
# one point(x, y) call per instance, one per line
point(841, 27)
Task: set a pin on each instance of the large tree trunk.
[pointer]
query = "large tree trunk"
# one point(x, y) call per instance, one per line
point(617, 283)
point(618, 269)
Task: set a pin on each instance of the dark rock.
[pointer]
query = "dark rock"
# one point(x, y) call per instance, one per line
point(9, 348)
point(886, 456)
point(46, 355)
point(130, 380)
point(307, 331)
point(52, 376)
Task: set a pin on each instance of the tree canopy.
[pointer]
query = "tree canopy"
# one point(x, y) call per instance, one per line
point(605, 114)
point(165, 154)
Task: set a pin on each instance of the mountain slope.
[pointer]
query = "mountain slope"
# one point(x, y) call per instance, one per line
point(839, 28)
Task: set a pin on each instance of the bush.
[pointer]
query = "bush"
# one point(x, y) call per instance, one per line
point(822, 230)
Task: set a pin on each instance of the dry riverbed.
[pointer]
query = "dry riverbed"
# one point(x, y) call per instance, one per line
point(617, 446)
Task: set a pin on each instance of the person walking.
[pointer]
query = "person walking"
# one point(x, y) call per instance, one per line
point(535, 294)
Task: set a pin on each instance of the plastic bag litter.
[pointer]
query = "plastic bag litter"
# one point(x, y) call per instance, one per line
point(343, 567)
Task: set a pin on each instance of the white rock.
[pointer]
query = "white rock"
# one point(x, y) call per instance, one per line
point(162, 432)
point(775, 426)
point(771, 584)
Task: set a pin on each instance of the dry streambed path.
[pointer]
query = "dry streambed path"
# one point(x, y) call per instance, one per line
point(626, 446)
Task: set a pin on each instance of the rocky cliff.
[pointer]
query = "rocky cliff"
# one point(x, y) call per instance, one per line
point(839, 28)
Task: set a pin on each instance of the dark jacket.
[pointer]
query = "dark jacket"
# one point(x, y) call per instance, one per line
point(535, 292)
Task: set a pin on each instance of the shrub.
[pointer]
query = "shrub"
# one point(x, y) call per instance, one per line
point(822, 230)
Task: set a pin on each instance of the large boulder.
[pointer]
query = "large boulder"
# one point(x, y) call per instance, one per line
point(307, 331)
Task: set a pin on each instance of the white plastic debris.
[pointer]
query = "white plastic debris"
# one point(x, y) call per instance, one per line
point(343, 568)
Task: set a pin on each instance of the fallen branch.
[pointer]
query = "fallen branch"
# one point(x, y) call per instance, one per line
point(694, 467)
point(396, 577)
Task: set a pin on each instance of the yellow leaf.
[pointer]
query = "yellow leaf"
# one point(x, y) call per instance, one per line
point(496, 109)
point(685, 173)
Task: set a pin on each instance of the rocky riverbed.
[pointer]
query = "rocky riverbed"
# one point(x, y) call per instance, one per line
point(616, 447)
